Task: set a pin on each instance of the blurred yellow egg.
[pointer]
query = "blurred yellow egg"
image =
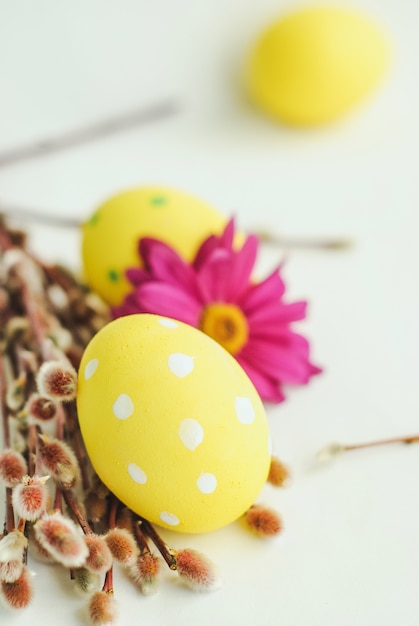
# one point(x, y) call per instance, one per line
point(110, 237)
point(172, 424)
point(313, 65)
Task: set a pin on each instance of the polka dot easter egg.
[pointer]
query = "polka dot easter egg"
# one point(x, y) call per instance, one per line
point(172, 424)
point(110, 237)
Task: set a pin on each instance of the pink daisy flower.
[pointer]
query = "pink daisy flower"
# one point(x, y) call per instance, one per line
point(215, 294)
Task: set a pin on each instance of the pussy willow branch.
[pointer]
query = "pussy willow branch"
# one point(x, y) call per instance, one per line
point(334, 450)
point(382, 442)
point(280, 241)
point(141, 540)
point(88, 133)
point(304, 243)
point(74, 506)
point(38, 216)
point(9, 522)
point(3, 408)
point(151, 532)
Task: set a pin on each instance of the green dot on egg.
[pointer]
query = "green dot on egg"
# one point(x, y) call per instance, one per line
point(158, 200)
point(94, 219)
point(113, 275)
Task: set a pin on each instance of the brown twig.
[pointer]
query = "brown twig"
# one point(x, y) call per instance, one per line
point(86, 134)
point(305, 243)
point(113, 512)
point(108, 582)
point(334, 450)
point(150, 531)
point(33, 455)
point(3, 408)
point(74, 506)
point(78, 447)
point(382, 442)
point(140, 538)
point(9, 522)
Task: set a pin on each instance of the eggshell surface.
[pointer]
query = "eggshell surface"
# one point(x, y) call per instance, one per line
point(172, 424)
point(313, 65)
point(110, 237)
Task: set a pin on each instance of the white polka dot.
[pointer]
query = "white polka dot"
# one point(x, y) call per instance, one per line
point(167, 322)
point(90, 368)
point(123, 407)
point(180, 364)
point(169, 518)
point(244, 410)
point(207, 483)
point(191, 433)
point(137, 474)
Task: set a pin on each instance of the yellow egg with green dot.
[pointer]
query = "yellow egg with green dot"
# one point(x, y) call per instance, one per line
point(172, 424)
point(110, 237)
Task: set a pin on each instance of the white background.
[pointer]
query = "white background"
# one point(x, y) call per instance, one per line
point(349, 551)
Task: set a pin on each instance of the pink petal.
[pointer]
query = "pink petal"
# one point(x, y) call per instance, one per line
point(168, 300)
point(213, 243)
point(294, 344)
point(287, 339)
point(276, 313)
point(213, 276)
point(136, 275)
point(128, 307)
point(206, 249)
point(277, 362)
point(297, 343)
point(314, 369)
point(242, 264)
point(227, 237)
point(166, 264)
point(266, 387)
point(270, 289)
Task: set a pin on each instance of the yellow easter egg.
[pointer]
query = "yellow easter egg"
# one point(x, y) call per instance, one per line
point(172, 424)
point(313, 65)
point(110, 237)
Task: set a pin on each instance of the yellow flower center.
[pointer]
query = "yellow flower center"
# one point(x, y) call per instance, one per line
point(227, 324)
